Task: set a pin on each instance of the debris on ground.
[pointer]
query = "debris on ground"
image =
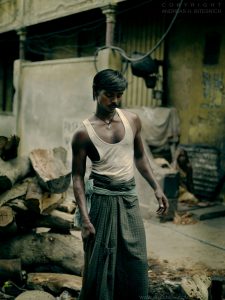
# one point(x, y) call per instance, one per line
point(184, 218)
point(166, 282)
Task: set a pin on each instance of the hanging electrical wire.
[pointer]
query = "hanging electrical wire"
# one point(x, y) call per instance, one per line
point(130, 59)
point(81, 26)
point(38, 43)
point(48, 45)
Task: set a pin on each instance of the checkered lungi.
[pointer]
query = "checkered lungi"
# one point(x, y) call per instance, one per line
point(115, 258)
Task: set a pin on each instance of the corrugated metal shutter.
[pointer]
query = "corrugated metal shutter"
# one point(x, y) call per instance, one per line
point(141, 35)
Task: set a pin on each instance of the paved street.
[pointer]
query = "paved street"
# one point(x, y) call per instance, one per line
point(187, 246)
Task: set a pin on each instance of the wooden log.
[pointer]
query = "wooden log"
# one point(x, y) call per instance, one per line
point(63, 250)
point(5, 296)
point(12, 171)
point(40, 201)
point(34, 295)
point(18, 205)
point(10, 269)
point(60, 153)
point(56, 220)
point(34, 195)
point(54, 282)
point(51, 201)
point(68, 205)
point(51, 171)
point(7, 221)
point(6, 216)
point(17, 191)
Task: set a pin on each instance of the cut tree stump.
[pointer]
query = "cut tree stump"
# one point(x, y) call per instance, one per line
point(62, 250)
point(51, 171)
point(35, 295)
point(10, 269)
point(12, 171)
point(7, 221)
point(54, 282)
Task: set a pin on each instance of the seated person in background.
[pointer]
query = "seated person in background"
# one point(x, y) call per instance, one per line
point(183, 165)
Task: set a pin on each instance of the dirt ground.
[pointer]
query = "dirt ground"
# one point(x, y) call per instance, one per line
point(165, 282)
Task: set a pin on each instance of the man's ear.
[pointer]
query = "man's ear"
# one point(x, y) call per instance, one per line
point(94, 95)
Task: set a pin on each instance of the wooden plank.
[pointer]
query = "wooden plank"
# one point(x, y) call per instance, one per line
point(209, 212)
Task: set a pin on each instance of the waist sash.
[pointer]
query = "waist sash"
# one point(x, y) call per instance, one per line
point(103, 185)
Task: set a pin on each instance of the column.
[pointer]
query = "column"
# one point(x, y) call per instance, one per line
point(110, 12)
point(22, 39)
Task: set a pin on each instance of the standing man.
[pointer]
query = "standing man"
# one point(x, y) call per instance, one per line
point(111, 225)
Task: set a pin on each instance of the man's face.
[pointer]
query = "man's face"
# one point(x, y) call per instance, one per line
point(109, 100)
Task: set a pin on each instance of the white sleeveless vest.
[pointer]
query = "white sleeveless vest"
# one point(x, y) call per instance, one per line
point(116, 160)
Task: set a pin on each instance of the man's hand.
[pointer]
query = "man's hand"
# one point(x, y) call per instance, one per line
point(163, 202)
point(87, 229)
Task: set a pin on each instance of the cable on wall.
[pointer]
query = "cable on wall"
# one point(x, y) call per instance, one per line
point(130, 59)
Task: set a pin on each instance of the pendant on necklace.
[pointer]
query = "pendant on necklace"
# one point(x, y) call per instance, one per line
point(108, 124)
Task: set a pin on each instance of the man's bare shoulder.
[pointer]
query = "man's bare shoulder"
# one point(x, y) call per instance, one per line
point(80, 135)
point(132, 117)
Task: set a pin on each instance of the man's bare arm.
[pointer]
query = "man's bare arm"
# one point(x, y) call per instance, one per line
point(143, 165)
point(79, 157)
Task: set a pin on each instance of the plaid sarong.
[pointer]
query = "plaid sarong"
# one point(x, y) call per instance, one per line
point(115, 258)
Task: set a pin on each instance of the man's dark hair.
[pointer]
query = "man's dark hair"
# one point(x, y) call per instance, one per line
point(110, 81)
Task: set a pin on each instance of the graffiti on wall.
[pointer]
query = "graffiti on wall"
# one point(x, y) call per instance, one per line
point(213, 88)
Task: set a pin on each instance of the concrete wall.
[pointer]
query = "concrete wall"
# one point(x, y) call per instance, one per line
point(7, 124)
point(195, 89)
point(56, 96)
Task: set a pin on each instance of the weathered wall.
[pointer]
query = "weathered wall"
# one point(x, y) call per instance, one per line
point(15, 14)
point(56, 96)
point(195, 89)
point(7, 124)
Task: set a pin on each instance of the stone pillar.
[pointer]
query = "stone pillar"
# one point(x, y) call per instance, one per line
point(22, 39)
point(110, 12)
point(109, 58)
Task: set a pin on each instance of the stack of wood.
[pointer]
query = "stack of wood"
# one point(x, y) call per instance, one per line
point(36, 223)
point(9, 147)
